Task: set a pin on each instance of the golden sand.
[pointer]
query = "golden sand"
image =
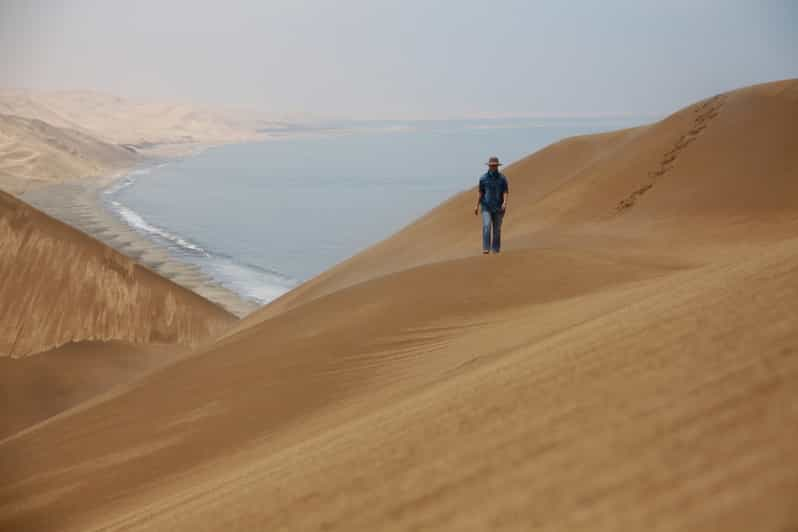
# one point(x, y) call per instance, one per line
point(630, 362)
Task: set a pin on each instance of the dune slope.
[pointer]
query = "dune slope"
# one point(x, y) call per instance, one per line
point(39, 387)
point(33, 152)
point(59, 286)
point(628, 363)
point(724, 167)
point(91, 317)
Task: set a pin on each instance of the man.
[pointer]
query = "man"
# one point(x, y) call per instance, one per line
point(493, 192)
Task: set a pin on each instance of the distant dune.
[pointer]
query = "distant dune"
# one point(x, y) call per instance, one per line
point(33, 152)
point(123, 121)
point(629, 362)
point(50, 137)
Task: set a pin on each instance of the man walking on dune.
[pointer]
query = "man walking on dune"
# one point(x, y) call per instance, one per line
point(493, 192)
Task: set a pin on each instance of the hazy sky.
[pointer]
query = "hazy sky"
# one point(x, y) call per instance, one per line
point(402, 58)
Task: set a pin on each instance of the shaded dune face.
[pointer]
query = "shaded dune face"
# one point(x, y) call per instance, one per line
point(58, 286)
point(628, 362)
point(39, 387)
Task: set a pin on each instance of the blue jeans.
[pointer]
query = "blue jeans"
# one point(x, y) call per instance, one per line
point(491, 220)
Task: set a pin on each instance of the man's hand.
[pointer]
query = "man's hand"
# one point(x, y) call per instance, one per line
point(504, 208)
point(476, 210)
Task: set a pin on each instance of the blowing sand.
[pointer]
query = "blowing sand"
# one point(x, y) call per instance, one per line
point(629, 362)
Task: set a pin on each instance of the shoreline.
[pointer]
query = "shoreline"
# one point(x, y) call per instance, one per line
point(80, 204)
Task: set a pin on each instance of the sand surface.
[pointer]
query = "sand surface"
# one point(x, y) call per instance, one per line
point(89, 317)
point(70, 375)
point(629, 362)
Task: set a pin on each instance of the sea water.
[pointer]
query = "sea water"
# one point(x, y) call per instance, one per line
point(259, 218)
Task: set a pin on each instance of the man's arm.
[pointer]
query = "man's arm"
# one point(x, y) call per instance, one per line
point(480, 193)
point(505, 195)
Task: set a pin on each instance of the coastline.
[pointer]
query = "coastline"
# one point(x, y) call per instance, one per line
point(80, 204)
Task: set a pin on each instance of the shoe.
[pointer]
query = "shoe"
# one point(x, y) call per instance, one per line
point(485, 252)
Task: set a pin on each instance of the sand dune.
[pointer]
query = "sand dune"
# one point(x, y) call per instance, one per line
point(50, 137)
point(628, 363)
point(98, 315)
point(60, 286)
point(728, 173)
point(35, 153)
point(70, 375)
point(121, 121)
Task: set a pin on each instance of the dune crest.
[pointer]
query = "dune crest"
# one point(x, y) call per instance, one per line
point(729, 171)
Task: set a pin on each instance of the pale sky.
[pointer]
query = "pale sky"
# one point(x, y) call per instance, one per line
point(402, 58)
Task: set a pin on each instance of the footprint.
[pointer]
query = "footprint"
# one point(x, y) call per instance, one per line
point(706, 112)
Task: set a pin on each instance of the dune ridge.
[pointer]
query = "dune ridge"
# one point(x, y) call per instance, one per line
point(628, 362)
point(580, 182)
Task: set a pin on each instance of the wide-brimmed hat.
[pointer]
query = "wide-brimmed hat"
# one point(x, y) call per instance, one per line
point(493, 160)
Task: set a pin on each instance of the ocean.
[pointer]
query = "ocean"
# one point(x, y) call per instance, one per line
point(259, 218)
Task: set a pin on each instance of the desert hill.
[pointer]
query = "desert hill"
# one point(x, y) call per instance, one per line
point(629, 362)
point(122, 121)
point(58, 136)
point(33, 152)
point(61, 287)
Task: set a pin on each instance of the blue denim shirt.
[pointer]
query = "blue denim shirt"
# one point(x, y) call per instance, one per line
point(492, 187)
